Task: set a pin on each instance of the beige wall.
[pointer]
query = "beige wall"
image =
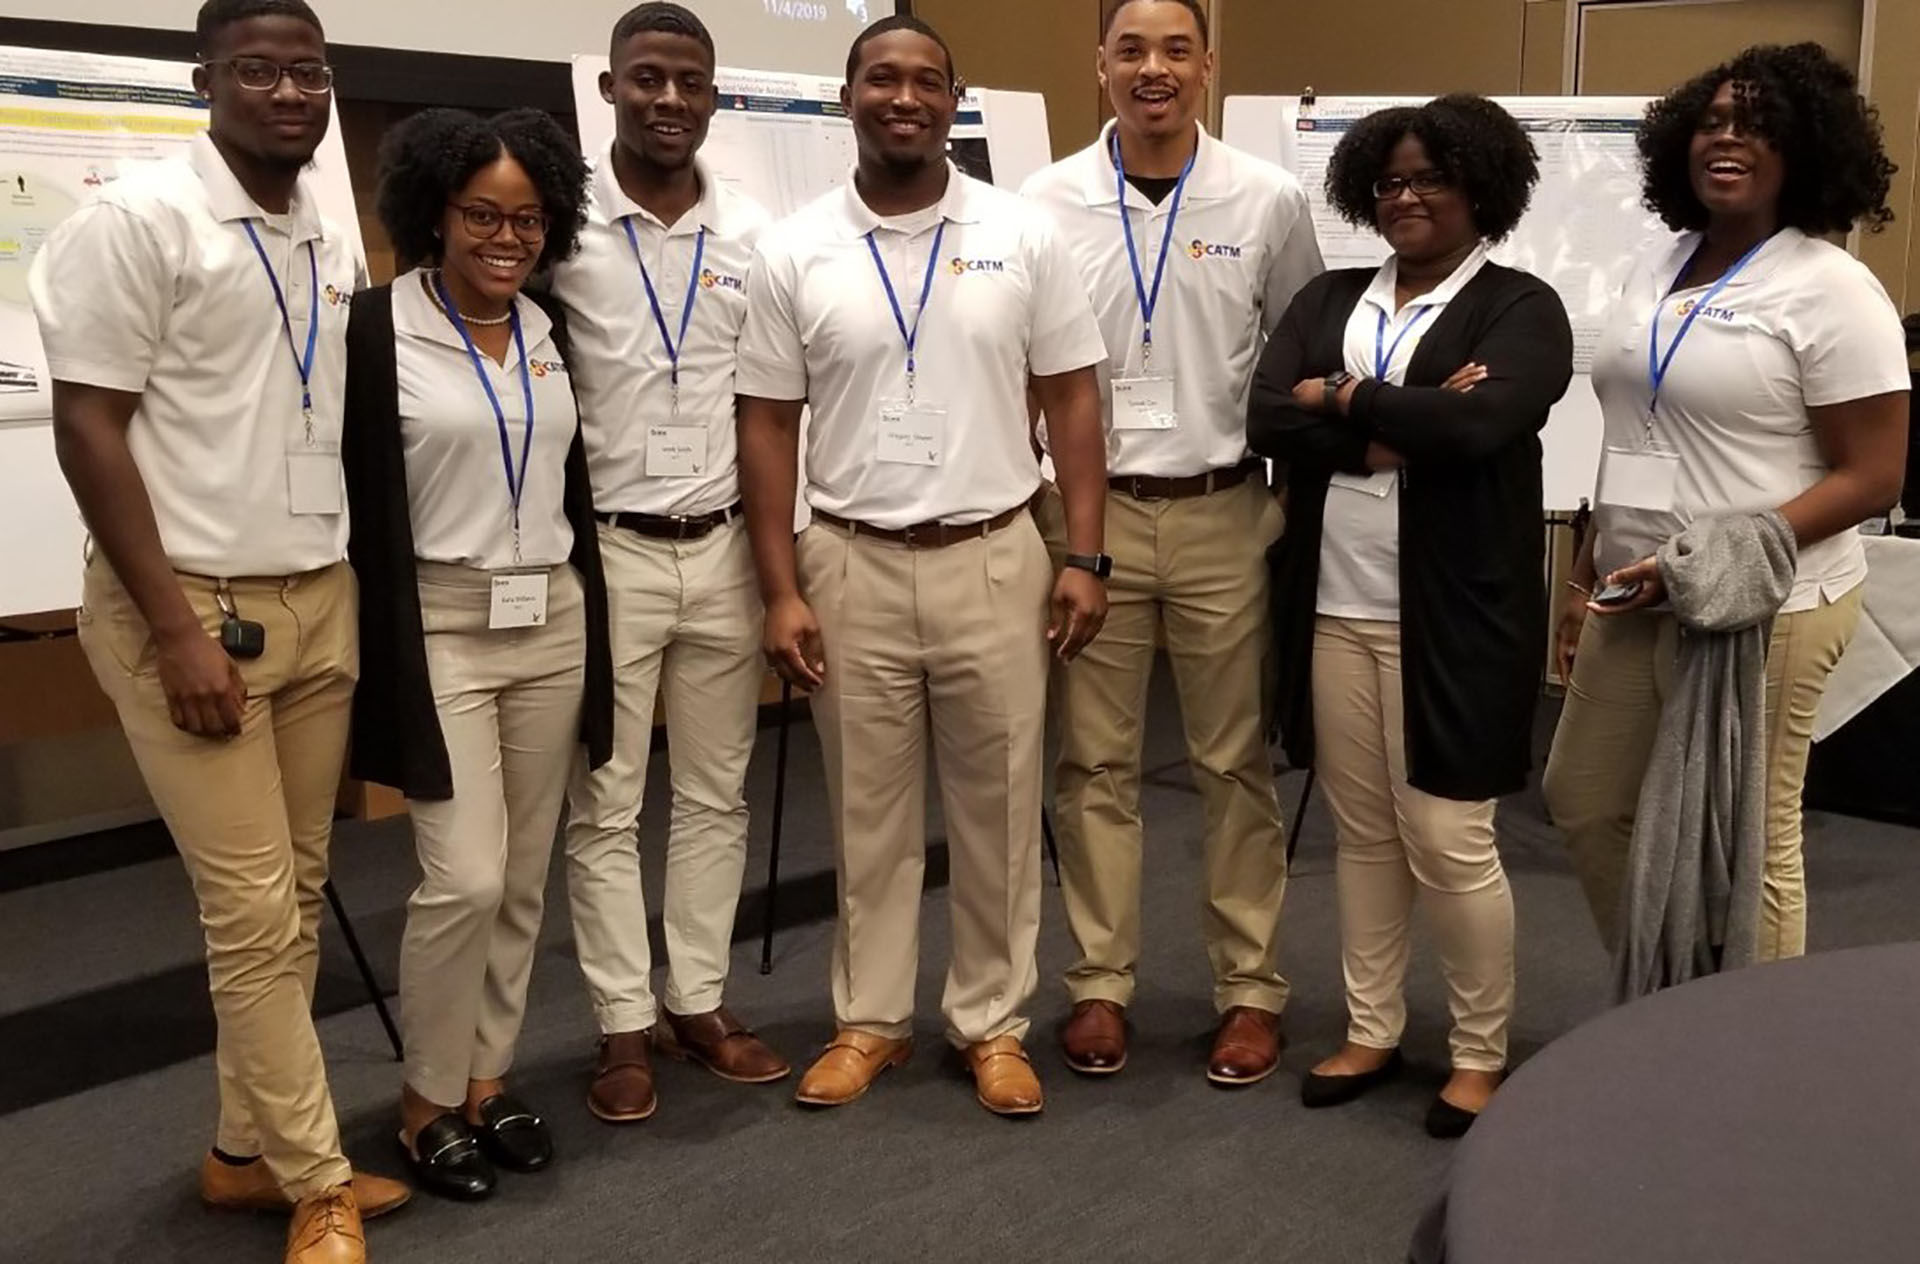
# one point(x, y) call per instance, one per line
point(1044, 46)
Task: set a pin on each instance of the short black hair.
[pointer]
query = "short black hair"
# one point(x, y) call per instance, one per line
point(217, 15)
point(1808, 107)
point(1113, 8)
point(887, 26)
point(1481, 149)
point(430, 157)
point(662, 17)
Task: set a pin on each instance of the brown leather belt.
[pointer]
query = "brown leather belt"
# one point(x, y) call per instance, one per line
point(671, 526)
point(1150, 487)
point(926, 535)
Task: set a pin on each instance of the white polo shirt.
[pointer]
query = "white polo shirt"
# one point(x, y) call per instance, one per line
point(1243, 245)
point(621, 367)
point(1804, 325)
point(154, 287)
point(1360, 530)
point(456, 474)
point(1006, 302)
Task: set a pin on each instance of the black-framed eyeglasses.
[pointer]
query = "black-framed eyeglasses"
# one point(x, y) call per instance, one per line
point(1423, 184)
point(257, 74)
point(484, 221)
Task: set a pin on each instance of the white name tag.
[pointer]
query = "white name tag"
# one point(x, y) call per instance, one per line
point(313, 480)
point(1144, 403)
point(676, 451)
point(519, 600)
point(1379, 485)
point(912, 434)
point(1643, 479)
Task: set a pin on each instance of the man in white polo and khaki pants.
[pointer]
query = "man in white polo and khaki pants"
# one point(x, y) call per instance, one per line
point(1191, 251)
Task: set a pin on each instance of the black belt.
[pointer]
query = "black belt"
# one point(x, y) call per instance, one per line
point(927, 535)
point(1152, 487)
point(671, 526)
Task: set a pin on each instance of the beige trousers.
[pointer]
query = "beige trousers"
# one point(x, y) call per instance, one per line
point(1398, 844)
point(1621, 675)
point(509, 707)
point(950, 641)
point(252, 816)
point(686, 622)
point(1196, 571)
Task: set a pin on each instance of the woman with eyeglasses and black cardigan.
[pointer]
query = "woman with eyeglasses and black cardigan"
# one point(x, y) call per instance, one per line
point(483, 611)
point(1406, 402)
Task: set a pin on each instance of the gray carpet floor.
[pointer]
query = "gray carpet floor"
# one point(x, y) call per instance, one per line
point(1151, 1165)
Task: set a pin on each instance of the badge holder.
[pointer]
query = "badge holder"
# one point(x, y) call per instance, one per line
point(240, 638)
point(1144, 403)
point(1646, 477)
point(912, 433)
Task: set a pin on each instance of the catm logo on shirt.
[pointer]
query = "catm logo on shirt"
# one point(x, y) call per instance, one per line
point(711, 280)
point(1724, 314)
point(963, 266)
point(337, 297)
point(1212, 250)
point(542, 368)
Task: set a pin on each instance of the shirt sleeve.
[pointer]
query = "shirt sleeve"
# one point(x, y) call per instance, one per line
point(1848, 339)
point(772, 356)
point(101, 289)
point(1293, 256)
point(1066, 335)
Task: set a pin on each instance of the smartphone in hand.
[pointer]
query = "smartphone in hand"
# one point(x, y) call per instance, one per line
point(1616, 594)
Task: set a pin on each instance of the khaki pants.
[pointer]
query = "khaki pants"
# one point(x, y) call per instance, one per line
point(1196, 570)
point(252, 816)
point(509, 708)
point(686, 620)
point(1397, 844)
point(951, 641)
point(1621, 676)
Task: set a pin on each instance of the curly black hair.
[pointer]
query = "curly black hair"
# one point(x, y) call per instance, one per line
point(1478, 146)
point(1809, 108)
point(430, 157)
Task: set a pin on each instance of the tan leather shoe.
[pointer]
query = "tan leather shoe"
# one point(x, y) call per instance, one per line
point(1247, 1048)
point(622, 1088)
point(721, 1043)
point(1095, 1039)
point(251, 1187)
point(1003, 1078)
point(849, 1067)
point(326, 1229)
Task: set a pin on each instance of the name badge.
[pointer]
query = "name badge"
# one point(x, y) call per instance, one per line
point(314, 483)
point(912, 433)
point(1144, 403)
point(1640, 479)
point(676, 451)
point(1378, 485)
point(519, 600)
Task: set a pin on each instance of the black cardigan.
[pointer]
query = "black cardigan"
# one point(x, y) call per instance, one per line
point(1473, 616)
point(396, 730)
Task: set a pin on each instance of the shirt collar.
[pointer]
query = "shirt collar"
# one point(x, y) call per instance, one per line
point(1210, 178)
point(1778, 247)
point(229, 201)
point(1381, 292)
point(957, 205)
point(416, 314)
point(616, 205)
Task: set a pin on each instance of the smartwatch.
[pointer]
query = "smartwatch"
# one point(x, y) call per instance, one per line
point(1332, 384)
point(1099, 565)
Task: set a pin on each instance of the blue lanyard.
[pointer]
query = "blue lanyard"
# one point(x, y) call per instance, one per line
point(1657, 365)
point(1149, 300)
point(910, 336)
point(674, 346)
point(302, 364)
point(1382, 353)
point(516, 484)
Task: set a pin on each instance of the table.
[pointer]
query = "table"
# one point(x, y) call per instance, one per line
point(1766, 1116)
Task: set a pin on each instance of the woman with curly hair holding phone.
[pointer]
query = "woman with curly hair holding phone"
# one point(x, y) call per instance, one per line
point(483, 609)
point(1750, 368)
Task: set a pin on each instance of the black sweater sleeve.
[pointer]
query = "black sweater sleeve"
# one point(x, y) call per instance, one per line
point(1276, 427)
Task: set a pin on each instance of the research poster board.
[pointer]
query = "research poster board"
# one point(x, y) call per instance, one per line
point(1584, 230)
point(71, 123)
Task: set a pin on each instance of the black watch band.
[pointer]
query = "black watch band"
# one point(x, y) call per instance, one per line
point(1099, 565)
point(1332, 384)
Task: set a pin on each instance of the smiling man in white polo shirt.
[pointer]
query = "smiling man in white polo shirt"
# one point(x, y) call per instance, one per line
point(195, 316)
point(909, 309)
point(655, 300)
point(1191, 251)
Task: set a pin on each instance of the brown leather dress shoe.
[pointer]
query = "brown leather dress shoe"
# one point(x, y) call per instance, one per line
point(622, 1089)
point(326, 1229)
point(251, 1187)
point(1247, 1048)
point(849, 1067)
point(721, 1043)
point(1003, 1077)
point(1095, 1038)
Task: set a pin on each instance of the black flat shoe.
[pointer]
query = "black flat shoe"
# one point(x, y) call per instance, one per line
point(1447, 1122)
point(446, 1160)
point(1317, 1090)
point(513, 1136)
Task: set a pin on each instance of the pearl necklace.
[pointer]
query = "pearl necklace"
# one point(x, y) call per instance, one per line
point(482, 321)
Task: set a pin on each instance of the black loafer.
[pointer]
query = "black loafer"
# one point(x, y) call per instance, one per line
point(513, 1136)
point(446, 1160)
point(1447, 1122)
point(1336, 1090)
